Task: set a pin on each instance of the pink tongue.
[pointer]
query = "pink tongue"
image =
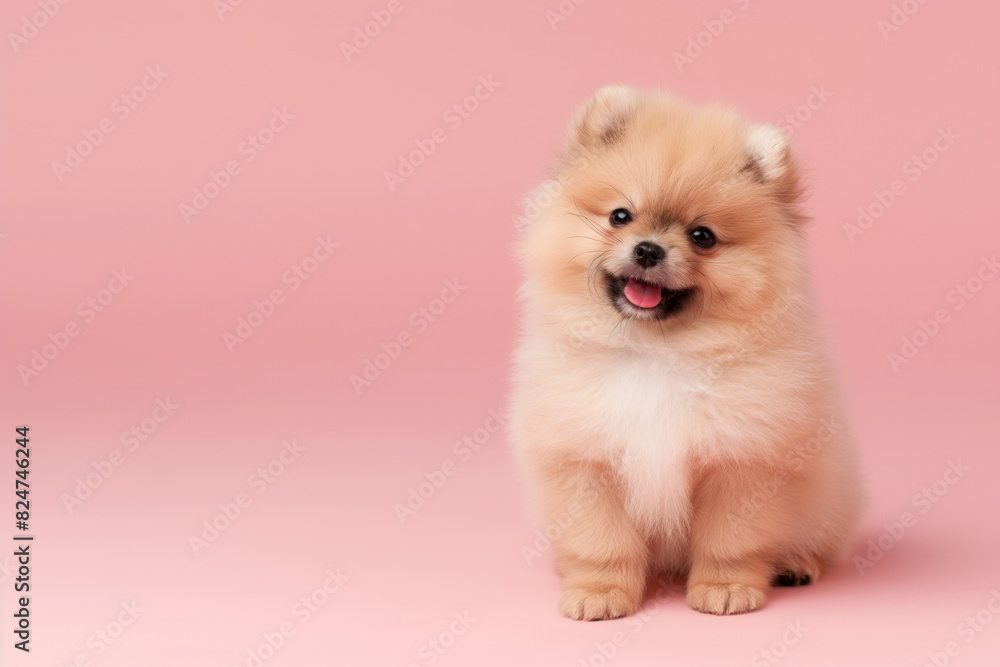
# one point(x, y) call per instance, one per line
point(643, 295)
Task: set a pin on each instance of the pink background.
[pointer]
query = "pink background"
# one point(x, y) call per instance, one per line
point(332, 507)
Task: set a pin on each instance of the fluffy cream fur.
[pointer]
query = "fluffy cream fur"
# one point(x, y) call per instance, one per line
point(708, 443)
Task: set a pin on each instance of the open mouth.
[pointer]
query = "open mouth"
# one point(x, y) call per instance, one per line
point(644, 300)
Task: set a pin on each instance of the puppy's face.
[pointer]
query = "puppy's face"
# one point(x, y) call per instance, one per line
point(669, 213)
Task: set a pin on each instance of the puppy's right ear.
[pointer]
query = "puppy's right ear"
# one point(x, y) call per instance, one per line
point(603, 119)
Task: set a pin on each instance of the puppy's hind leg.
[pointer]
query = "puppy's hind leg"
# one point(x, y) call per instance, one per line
point(732, 548)
point(798, 570)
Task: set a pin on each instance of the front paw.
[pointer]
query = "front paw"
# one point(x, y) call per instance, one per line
point(585, 604)
point(713, 598)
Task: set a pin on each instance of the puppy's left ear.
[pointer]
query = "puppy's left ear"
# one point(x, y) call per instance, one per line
point(768, 155)
point(769, 161)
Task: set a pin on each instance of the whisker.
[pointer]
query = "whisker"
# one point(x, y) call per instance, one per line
point(625, 328)
point(622, 195)
point(704, 298)
point(590, 223)
point(714, 288)
point(585, 252)
point(706, 295)
point(722, 297)
point(592, 277)
point(601, 230)
point(612, 333)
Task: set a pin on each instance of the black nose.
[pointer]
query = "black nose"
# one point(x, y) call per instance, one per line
point(648, 254)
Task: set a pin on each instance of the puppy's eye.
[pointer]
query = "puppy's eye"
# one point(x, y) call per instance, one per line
point(620, 217)
point(702, 237)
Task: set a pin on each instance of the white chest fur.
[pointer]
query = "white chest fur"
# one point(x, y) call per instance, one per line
point(650, 422)
point(634, 411)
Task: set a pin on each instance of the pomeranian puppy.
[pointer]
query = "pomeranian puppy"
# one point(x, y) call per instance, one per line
point(673, 407)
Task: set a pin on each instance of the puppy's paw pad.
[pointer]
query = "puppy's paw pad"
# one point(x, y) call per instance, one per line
point(798, 571)
point(789, 578)
point(584, 604)
point(725, 598)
